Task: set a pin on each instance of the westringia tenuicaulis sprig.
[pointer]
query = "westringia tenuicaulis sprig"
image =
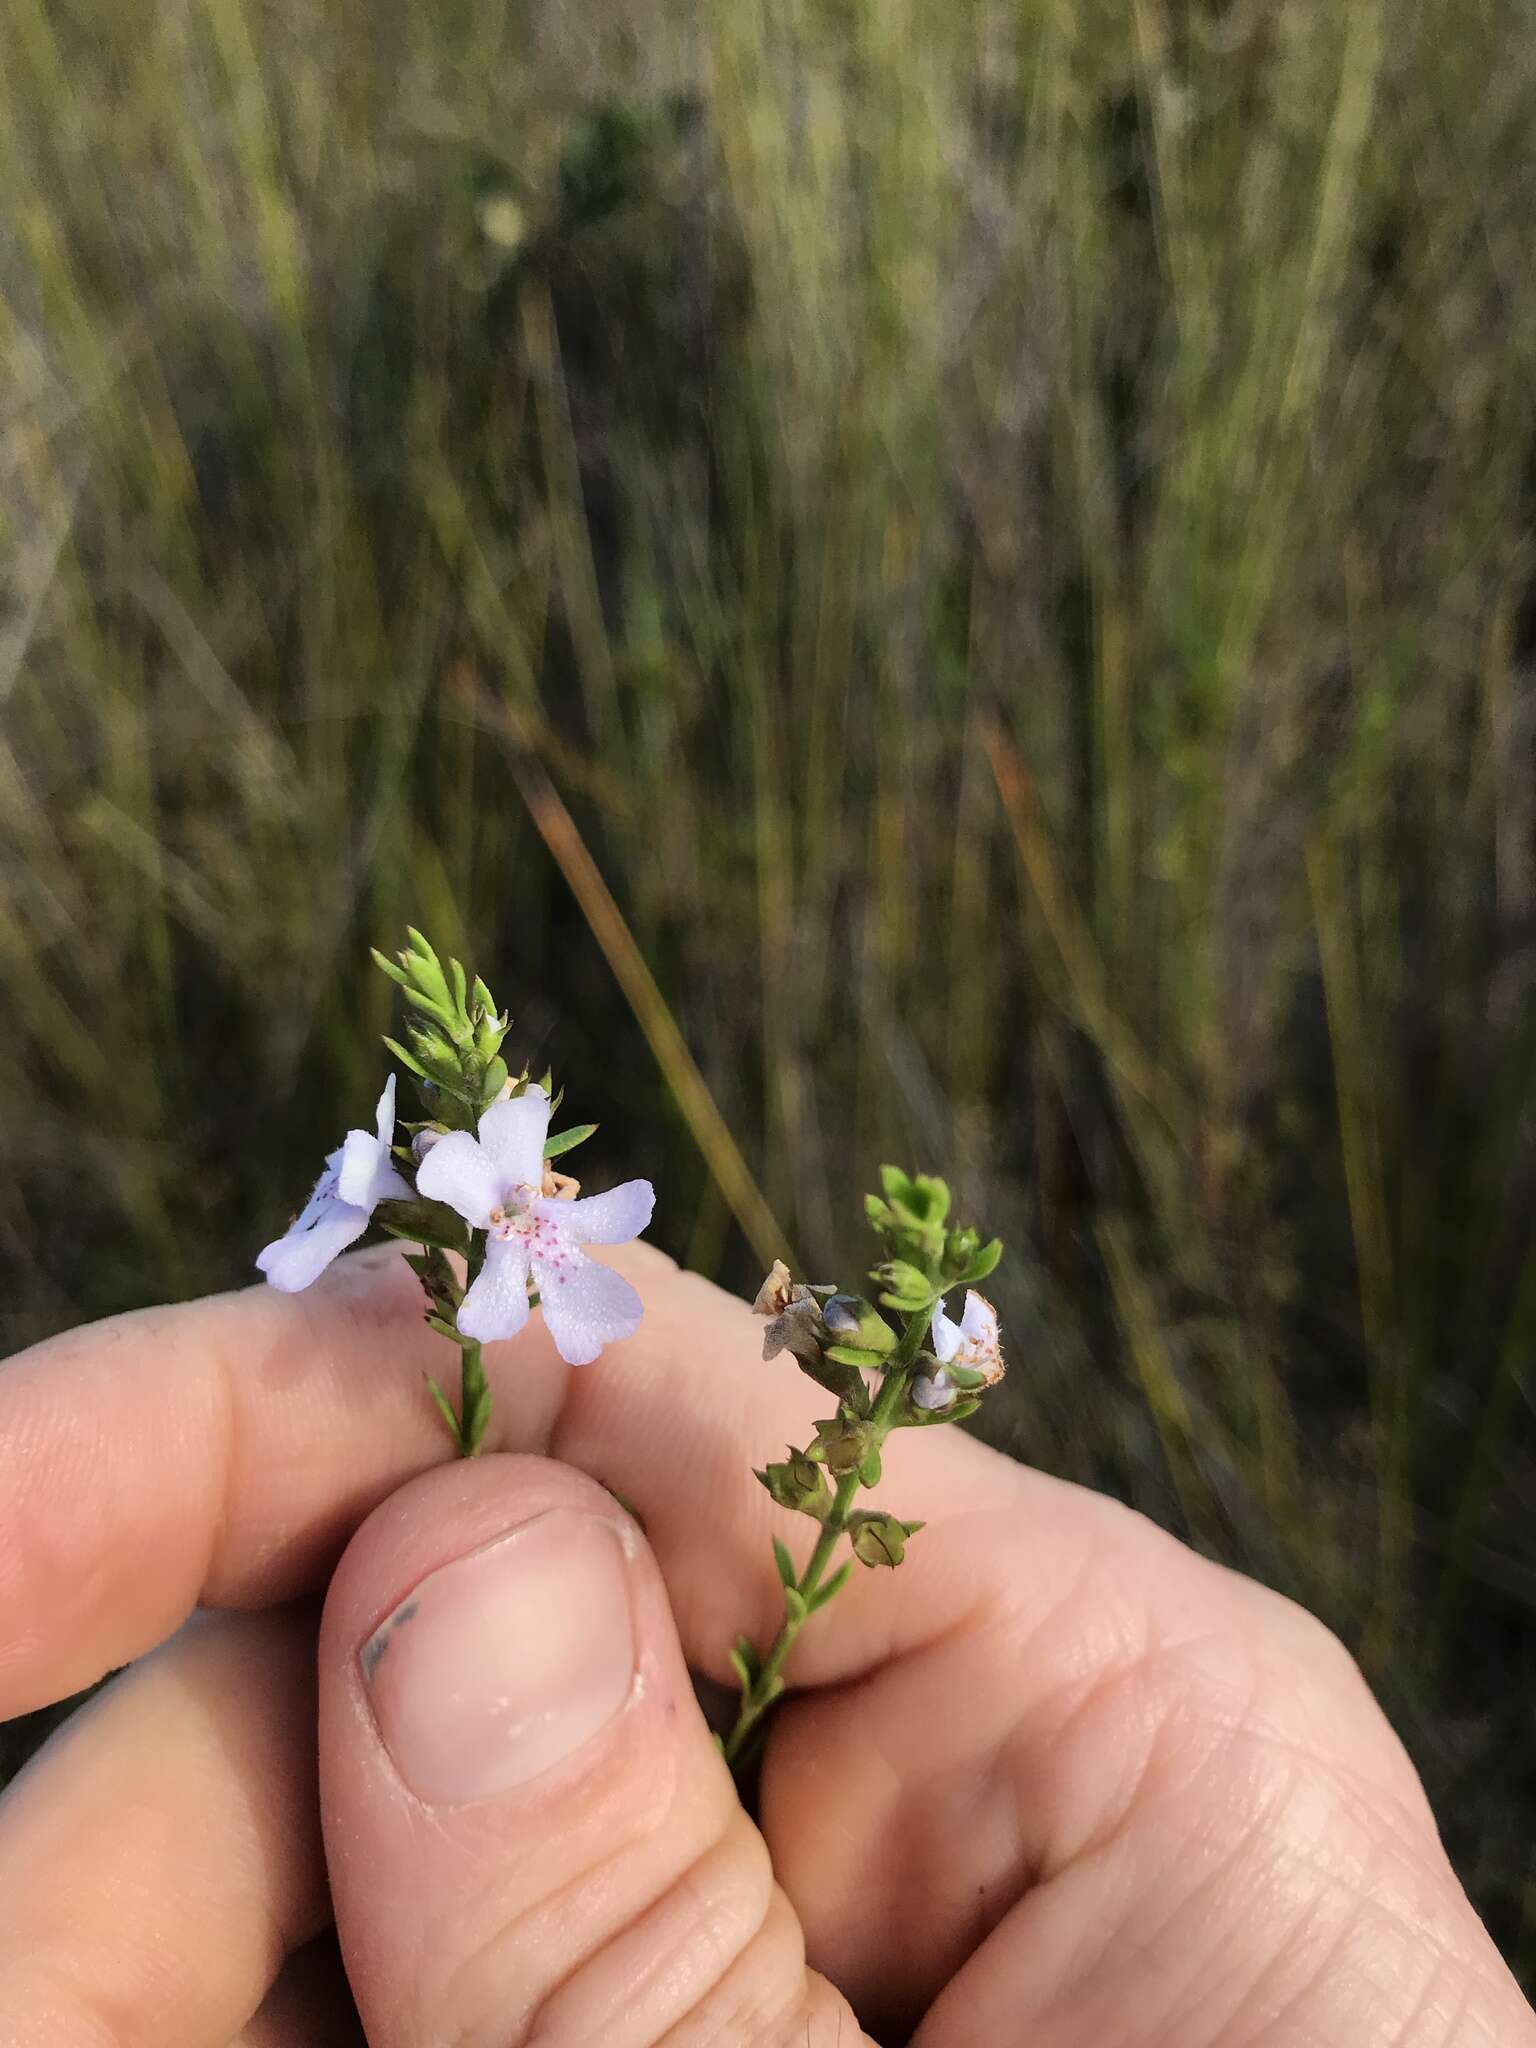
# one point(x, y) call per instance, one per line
point(474, 1180)
point(926, 1369)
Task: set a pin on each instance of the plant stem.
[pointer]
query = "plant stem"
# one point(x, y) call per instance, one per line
point(474, 1402)
point(741, 1744)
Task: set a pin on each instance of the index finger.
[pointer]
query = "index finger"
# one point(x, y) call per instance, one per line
point(222, 1452)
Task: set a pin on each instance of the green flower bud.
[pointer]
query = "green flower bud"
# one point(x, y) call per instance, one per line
point(960, 1247)
point(880, 1539)
point(843, 1445)
point(798, 1484)
point(857, 1323)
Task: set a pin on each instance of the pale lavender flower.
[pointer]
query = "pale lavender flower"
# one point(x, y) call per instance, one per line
point(358, 1176)
point(496, 1183)
point(972, 1344)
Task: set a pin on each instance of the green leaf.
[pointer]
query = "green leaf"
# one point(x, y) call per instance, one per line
point(460, 988)
point(745, 1662)
point(877, 1211)
point(869, 1471)
point(445, 1409)
point(930, 1197)
point(567, 1141)
point(408, 1060)
point(832, 1588)
point(898, 1188)
point(427, 1222)
point(795, 1609)
point(426, 970)
point(788, 1576)
point(387, 966)
point(852, 1354)
point(985, 1262)
point(430, 1004)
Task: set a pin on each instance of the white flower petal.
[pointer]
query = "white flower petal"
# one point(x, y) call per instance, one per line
point(613, 1218)
point(359, 1162)
point(389, 1185)
point(585, 1305)
point(385, 1114)
point(513, 1133)
point(979, 1323)
point(497, 1305)
point(368, 1174)
point(459, 1172)
point(944, 1339)
point(326, 1227)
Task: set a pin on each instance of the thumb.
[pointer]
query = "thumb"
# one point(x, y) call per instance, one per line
point(530, 1831)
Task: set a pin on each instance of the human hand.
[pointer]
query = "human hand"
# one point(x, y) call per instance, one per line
point(1061, 1782)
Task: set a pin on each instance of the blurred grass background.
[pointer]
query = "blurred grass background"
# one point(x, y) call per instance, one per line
point(967, 569)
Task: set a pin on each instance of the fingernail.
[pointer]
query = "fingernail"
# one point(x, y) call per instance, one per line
point(501, 1665)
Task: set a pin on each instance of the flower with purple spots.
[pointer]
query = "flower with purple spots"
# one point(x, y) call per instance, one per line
point(496, 1183)
point(358, 1176)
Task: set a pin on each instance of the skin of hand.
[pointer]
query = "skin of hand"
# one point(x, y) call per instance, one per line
point(1058, 1781)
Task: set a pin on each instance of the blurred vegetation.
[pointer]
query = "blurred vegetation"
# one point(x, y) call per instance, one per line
point(1002, 536)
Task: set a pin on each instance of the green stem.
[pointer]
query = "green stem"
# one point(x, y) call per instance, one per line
point(474, 1402)
point(741, 1744)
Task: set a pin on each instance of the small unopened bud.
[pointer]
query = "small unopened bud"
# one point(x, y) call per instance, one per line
point(844, 1445)
point(933, 1392)
point(423, 1142)
point(961, 1247)
point(797, 1483)
point(880, 1539)
point(852, 1320)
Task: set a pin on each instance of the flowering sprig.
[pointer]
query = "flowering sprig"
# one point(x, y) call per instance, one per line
point(474, 1184)
point(924, 1370)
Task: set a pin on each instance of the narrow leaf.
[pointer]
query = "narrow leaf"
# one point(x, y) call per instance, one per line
point(786, 1564)
point(407, 1059)
point(567, 1141)
point(445, 1409)
point(387, 966)
point(984, 1263)
point(832, 1588)
point(745, 1657)
point(852, 1354)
